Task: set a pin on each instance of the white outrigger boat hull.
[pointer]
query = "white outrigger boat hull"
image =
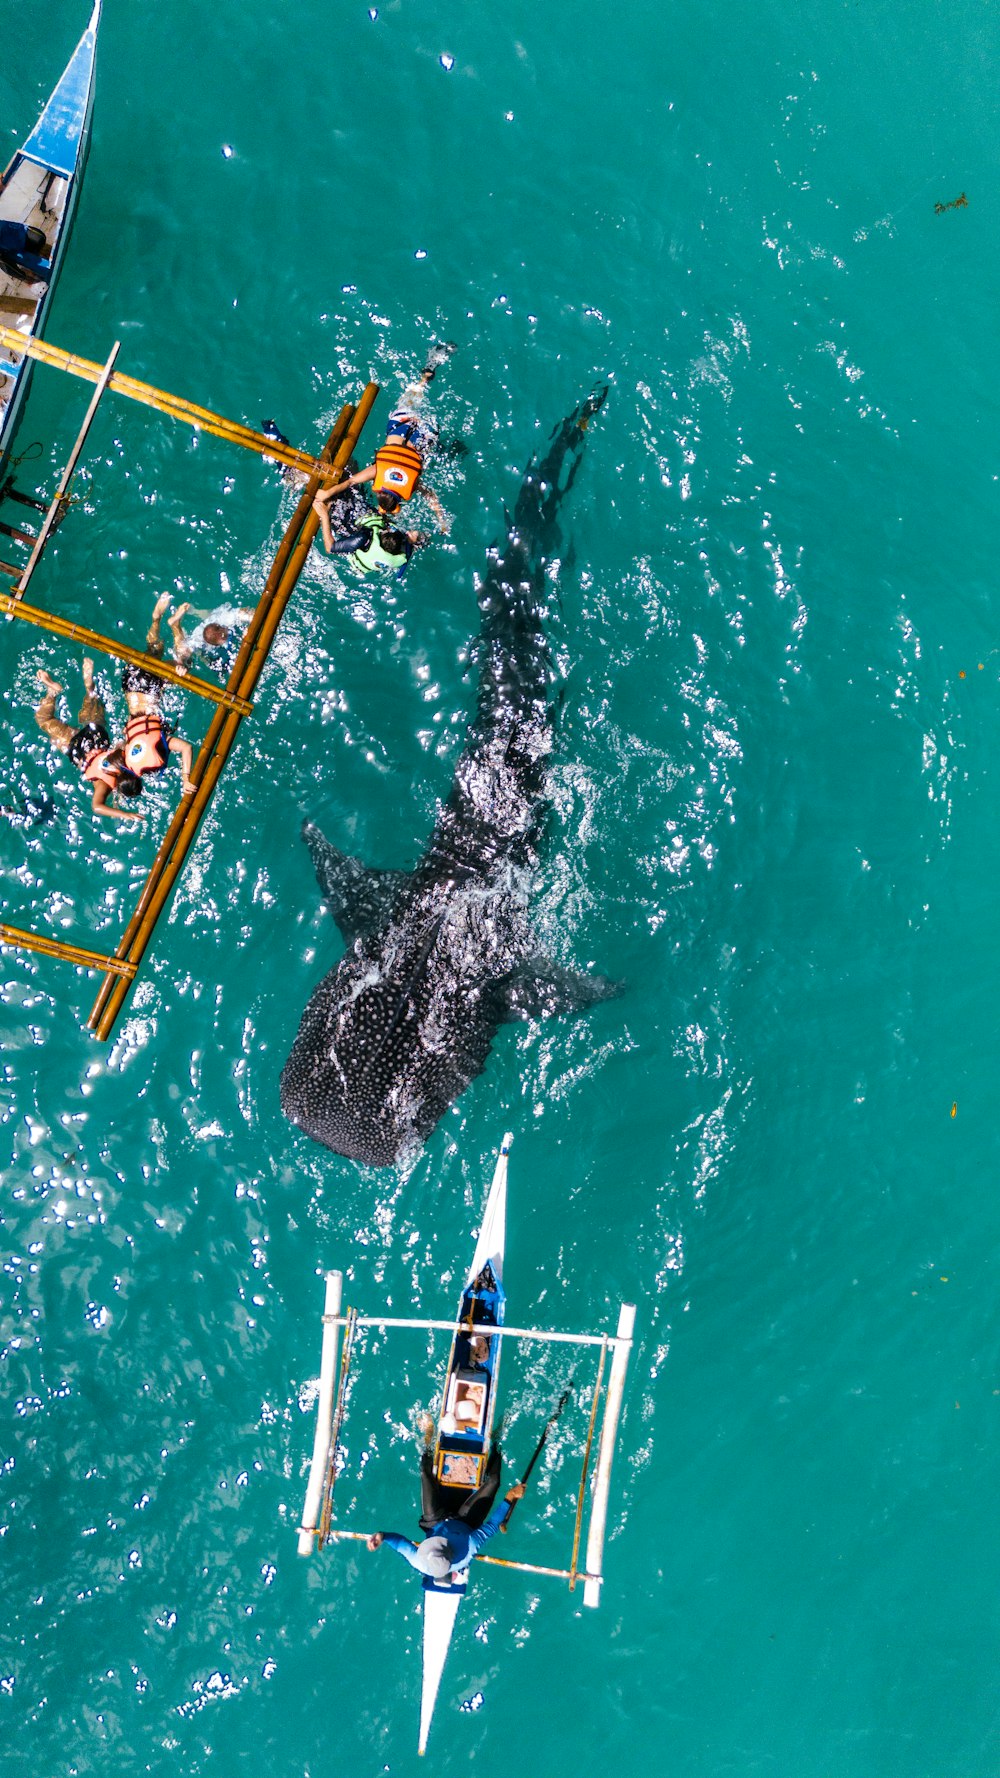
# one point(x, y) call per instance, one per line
point(441, 1603)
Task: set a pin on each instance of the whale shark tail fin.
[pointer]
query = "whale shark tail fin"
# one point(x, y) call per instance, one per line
point(542, 989)
point(358, 898)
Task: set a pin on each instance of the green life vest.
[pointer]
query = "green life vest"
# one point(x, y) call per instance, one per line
point(372, 555)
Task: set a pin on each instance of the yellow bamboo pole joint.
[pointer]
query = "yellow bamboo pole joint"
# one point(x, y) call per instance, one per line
point(15, 938)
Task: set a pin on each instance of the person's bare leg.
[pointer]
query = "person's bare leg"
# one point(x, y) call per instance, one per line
point(182, 647)
point(154, 641)
point(59, 733)
point(92, 709)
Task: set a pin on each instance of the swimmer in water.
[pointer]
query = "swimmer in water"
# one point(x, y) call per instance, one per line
point(411, 435)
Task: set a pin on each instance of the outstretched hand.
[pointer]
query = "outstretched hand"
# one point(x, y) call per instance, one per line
point(515, 1493)
point(374, 1540)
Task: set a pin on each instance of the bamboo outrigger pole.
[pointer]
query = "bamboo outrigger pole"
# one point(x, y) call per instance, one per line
point(281, 581)
point(201, 418)
point(605, 1452)
point(90, 639)
point(20, 940)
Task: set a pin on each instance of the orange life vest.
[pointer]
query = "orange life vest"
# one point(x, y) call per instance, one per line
point(96, 769)
point(146, 747)
point(397, 470)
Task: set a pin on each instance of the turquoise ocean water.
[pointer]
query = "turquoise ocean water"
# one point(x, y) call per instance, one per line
point(773, 816)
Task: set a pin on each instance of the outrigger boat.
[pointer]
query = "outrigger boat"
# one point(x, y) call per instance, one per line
point(38, 196)
point(461, 1449)
point(465, 1421)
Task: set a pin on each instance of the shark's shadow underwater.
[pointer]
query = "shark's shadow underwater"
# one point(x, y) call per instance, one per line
point(440, 957)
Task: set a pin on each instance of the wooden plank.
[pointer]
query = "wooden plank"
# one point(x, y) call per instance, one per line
point(58, 504)
point(18, 305)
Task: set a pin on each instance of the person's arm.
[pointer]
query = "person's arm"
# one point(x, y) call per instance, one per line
point(491, 1526)
point(402, 1546)
point(444, 523)
point(346, 542)
point(182, 647)
point(101, 806)
point(178, 745)
point(325, 495)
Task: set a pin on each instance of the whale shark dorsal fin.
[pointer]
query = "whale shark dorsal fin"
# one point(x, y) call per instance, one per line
point(541, 988)
point(358, 898)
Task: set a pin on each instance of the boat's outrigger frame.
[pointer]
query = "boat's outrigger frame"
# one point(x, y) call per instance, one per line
point(316, 1529)
point(233, 702)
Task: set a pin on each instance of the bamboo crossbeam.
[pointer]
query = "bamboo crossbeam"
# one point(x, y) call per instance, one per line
point(251, 660)
point(72, 632)
point(174, 406)
point(17, 939)
point(55, 510)
point(495, 1333)
point(494, 1561)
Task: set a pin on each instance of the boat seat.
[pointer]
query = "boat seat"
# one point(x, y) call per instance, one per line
point(18, 305)
point(467, 1394)
point(24, 252)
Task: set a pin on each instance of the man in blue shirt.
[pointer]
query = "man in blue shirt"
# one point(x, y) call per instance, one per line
point(452, 1543)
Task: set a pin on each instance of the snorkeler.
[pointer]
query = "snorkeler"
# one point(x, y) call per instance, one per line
point(411, 435)
point(89, 745)
point(149, 743)
point(214, 638)
point(374, 541)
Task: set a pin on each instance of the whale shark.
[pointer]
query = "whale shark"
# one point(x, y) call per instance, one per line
point(440, 957)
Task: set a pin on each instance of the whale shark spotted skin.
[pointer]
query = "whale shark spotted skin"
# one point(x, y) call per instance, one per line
point(440, 957)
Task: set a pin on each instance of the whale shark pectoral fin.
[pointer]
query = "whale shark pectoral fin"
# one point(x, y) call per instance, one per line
point(542, 989)
point(358, 898)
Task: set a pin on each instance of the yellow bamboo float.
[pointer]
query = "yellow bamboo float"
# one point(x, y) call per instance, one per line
point(153, 663)
point(175, 406)
point(250, 662)
point(16, 938)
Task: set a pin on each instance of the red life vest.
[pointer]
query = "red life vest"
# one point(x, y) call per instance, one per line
point(146, 747)
point(97, 771)
point(397, 470)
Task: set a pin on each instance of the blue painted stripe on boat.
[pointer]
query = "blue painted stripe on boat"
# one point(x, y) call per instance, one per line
point(55, 140)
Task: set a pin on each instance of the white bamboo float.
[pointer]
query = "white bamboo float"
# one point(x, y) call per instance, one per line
point(605, 1452)
point(322, 1455)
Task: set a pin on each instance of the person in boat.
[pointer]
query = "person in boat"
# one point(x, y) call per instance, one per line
point(214, 639)
point(24, 253)
point(149, 743)
point(89, 746)
point(410, 437)
point(451, 1540)
point(374, 542)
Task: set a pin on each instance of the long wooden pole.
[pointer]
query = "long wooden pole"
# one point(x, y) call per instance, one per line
point(17, 939)
point(62, 626)
point(202, 418)
point(578, 1522)
point(56, 509)
point(166, 868)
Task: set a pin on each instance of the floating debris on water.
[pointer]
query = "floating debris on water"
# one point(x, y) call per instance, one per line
point(961, 203)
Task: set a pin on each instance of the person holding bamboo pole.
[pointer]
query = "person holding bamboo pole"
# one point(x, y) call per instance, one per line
point(411, 435)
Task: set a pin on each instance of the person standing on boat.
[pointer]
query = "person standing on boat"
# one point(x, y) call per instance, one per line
point(89, 745)
point(410, 437)
point(452, 1542)
point(149, 743)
